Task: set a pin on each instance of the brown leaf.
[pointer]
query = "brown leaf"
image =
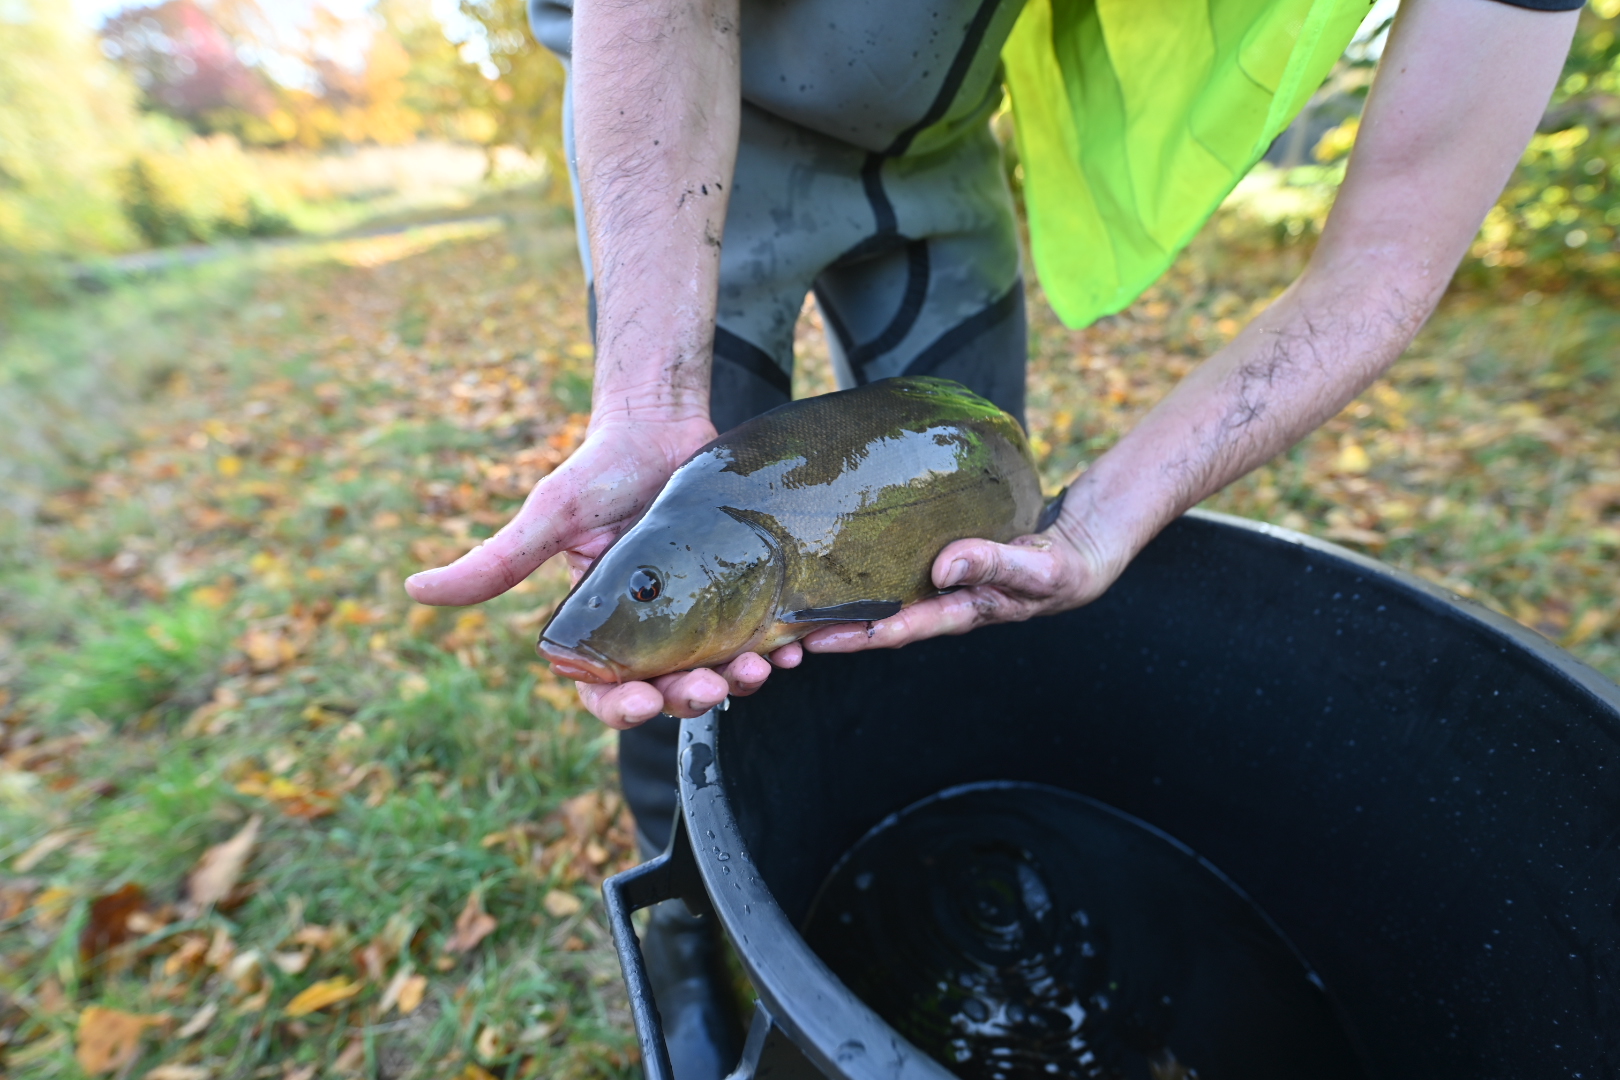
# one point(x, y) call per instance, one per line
point(220, 868)
point(353, 1057)
point(473, 925)
point(108, 925)
point(560, 905)
point(319, 995)
point(109, 1039)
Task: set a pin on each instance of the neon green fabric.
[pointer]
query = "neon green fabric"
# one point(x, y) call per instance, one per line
point(1135, 118)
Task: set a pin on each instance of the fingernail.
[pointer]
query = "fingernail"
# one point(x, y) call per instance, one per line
point(958, 571)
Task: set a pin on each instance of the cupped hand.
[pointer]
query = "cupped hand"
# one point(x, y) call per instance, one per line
point(1040, 574)
point(578, 511)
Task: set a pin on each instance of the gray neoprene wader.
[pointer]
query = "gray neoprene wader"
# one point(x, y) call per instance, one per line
point(866, 174)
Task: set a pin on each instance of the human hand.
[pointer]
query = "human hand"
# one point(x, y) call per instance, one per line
point(684, 693)
point(580, 509)
point(1040, 574)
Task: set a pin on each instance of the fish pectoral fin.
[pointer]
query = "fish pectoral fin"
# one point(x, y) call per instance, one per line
point(854, 611)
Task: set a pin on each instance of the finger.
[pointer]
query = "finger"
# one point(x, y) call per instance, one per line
point(621, 705)
point(500, 562)
point(691, 693)
point(746, 674)
point(1022, 569)
point(790, 655)
point(955, 613)
point(578, 507)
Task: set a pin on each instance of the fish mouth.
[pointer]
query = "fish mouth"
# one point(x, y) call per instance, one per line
point(579, 662)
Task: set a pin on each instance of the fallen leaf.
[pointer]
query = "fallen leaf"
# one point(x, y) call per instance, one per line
point(560, 905)
point(1590, 623)
point(353, 1057)
point(108, 924)
point(473, 925)
point(411, 994)
point(220, 867)
point(193, 948)
point(491, 1043)
point(180, 1072)
point(51, 905)
point(303, 1072)
point(199, 1022)
point(109, 1039)
point(319, 995)
point(1352, 460)
point(44, 847)
point(316, 937)
point(291, 963)
point(474, 1072)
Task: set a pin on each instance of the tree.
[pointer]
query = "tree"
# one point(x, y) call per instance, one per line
point(187, 65)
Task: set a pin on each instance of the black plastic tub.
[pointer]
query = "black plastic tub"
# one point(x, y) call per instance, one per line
point(1424, 796)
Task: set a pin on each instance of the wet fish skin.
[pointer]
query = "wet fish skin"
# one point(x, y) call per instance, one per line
point(827, 509)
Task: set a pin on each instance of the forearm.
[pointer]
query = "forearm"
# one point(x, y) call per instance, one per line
point(1457, 96)
point(1296, 365)
point(656, 107)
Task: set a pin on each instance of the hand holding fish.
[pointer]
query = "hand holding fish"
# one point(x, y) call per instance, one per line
point(579, 509)
point(1040, 574)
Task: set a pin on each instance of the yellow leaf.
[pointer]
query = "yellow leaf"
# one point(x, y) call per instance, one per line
point(229, 466)
point(474, 1072)
point(1592, 622)
point(410, 994)
point(1352, 459)
point(109, 1039)
point(320, 995)
point(560, 905)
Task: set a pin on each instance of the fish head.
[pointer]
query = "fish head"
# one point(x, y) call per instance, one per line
point(669, 595)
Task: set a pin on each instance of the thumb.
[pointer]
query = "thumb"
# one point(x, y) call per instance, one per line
point(495, 565)
point(1024, 569)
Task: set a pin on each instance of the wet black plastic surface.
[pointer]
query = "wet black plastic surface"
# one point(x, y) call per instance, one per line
point(1022, 932)
point(1425, 797)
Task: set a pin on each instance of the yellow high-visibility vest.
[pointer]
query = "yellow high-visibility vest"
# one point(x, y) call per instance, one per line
point(1135, 118)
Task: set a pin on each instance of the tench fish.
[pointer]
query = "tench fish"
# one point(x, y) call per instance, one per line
point(825, 510)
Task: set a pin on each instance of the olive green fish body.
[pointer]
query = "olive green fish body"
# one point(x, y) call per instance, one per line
point(828, 509)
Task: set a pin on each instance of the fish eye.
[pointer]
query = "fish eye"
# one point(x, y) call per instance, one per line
point(644, 585)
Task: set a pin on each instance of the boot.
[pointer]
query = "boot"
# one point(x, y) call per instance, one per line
point(693, 992)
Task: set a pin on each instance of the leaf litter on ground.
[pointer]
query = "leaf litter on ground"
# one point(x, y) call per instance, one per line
point(243, 781)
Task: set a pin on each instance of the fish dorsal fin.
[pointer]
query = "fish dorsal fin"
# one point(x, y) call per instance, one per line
point(854, 611)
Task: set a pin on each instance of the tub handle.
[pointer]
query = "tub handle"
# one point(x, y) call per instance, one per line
point(672, 875)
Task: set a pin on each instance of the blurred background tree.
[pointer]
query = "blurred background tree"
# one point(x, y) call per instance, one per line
point(185, 121)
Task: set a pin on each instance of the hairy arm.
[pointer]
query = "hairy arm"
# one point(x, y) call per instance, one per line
point(1458, 93)
point(657, 104)
point(656, 108)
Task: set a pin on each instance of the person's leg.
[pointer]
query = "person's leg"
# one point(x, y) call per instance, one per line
point(943, 295)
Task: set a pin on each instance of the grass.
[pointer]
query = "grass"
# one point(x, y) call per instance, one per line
point(217, 479)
